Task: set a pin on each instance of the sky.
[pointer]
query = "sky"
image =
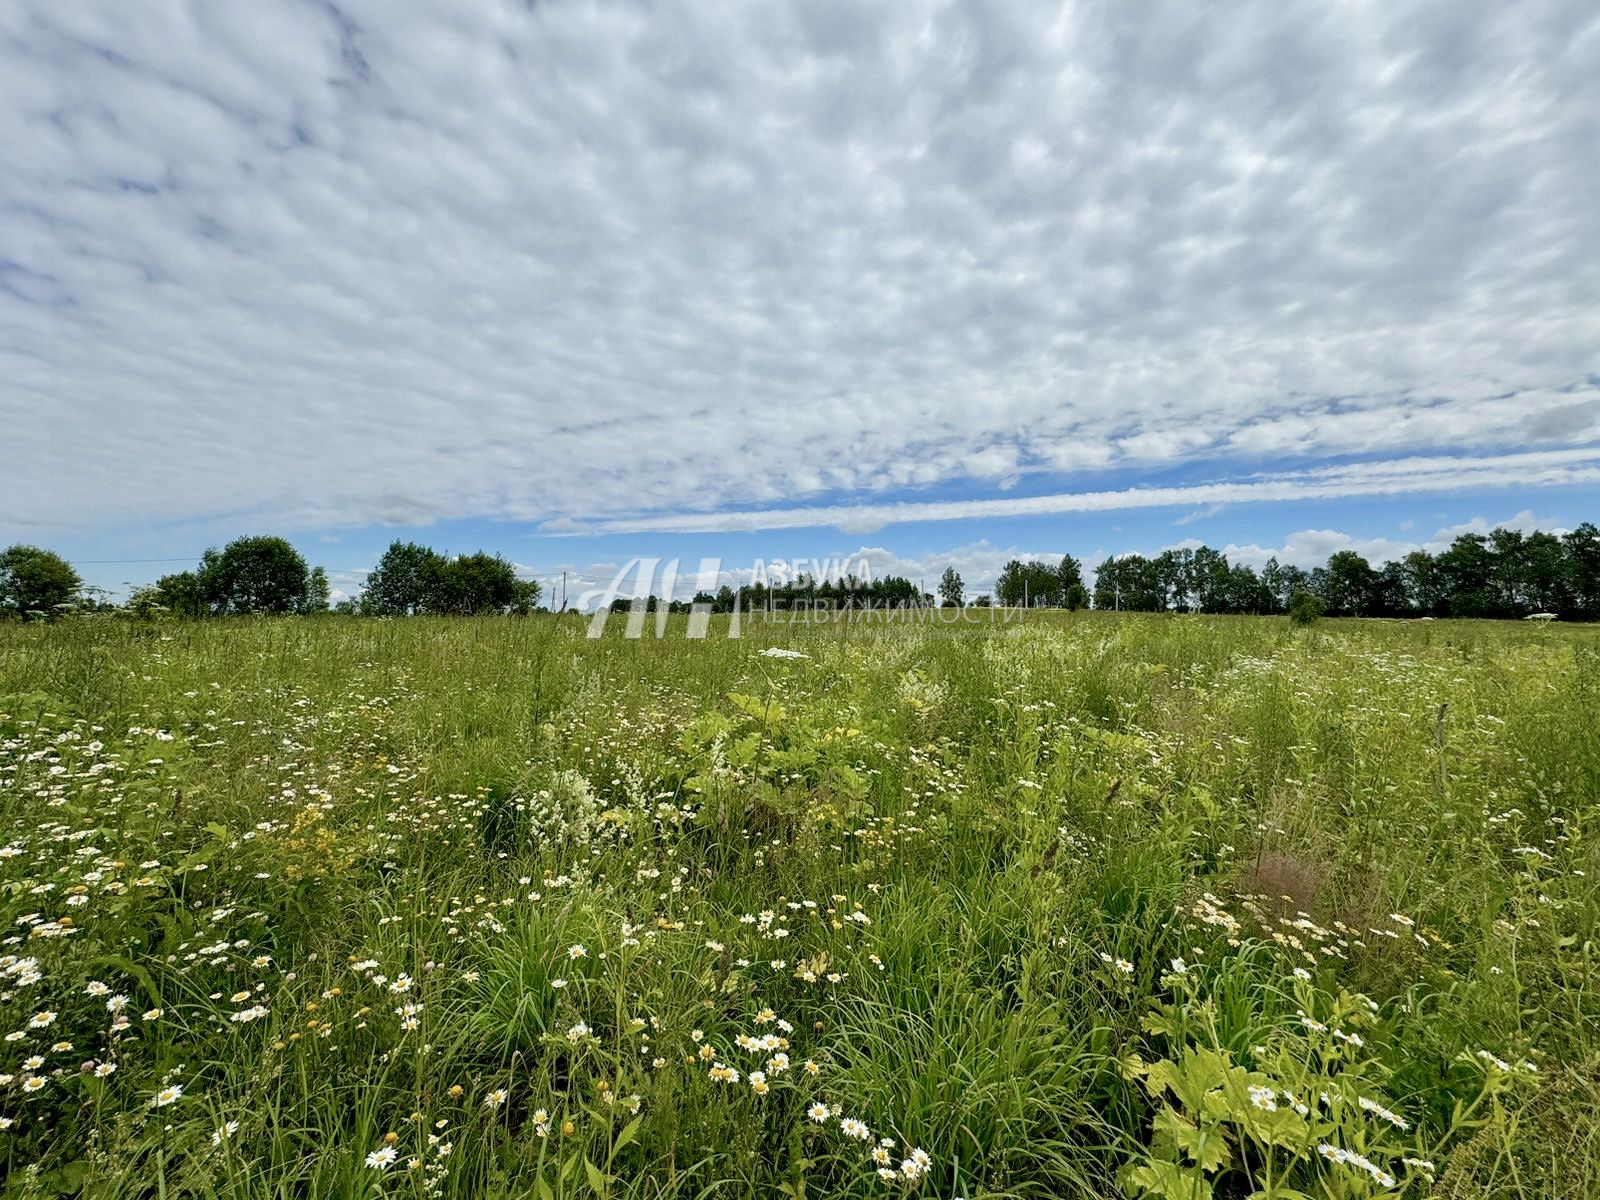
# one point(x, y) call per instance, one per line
point(919, 283)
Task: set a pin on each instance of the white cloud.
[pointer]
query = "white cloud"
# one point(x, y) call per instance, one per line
point(338, 263)
point(1415, 476)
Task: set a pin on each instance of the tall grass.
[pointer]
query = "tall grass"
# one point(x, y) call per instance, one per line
point(1077, 906)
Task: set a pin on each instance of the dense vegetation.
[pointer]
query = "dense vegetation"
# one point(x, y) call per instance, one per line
point(1088, 905)
point(1501, 574)
point(1504, 573)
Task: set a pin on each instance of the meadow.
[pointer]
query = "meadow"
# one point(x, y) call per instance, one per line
point(1071, 905)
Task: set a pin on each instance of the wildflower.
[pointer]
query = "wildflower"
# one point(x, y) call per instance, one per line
point(495, 1098)
point(578, 1032)
point(42, 1020)
point(32, 1083)
point(1351, 1159)
point(1263, 1098)
point(383, 1158)
point(105, 1070)
point(853, 1128)
point(227, 1130)
point(1498, 1063)
point(1378, 1110)
point(818, 1112)
point(170, 1094)
point(758, 1083)
point(577, 952)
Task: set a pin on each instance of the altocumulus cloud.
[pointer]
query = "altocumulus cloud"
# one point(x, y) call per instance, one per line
point(336, 263)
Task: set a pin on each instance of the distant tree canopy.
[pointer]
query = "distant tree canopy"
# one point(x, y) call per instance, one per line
point(951, 589)
point(411, 579)
point(1505, 573)
point(806, 591)
point(36, 584)
point(1039, 585)
point(248, 575)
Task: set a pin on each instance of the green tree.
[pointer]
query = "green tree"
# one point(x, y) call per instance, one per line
point(1275, 585)
point(177, 595)
point(1581, 571)
point(1348, 584)
point(1069, 579)
point(255, 575)
point(474, 584)
point(36, 584)
point(1010, 585)
point(1467, 571)
point(409, 578)
point(317, 592)
point(1132, 583)
point(950, 588)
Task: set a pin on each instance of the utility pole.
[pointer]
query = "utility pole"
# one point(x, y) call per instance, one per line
point(563, 589)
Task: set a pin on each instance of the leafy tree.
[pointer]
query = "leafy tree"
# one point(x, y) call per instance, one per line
point(1425, 584)
point(1581, 571)
point(177, 595)
point(1010, 586)
point(1069, 574)
point(317, 592)
point(1544, 578)
point(1245, 591)
point(409, 578)
point(255, 575)
point(36, 584)
point(1467, 570)
point(1211, 581)
point(1391, 592)
point(950, 588)
point(1349, 581)
point(1131, 583)
point(474, 584)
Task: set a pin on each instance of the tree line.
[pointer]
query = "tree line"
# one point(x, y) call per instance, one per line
point(1503, 574)
point(268, 575)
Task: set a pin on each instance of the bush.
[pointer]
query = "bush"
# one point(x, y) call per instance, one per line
point(1305, 608)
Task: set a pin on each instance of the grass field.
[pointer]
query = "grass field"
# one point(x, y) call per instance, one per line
point(1068, 906)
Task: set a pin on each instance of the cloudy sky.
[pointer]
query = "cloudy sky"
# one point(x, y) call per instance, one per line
point(935, 282)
